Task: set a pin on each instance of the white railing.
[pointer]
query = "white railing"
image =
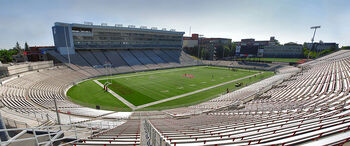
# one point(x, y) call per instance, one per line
point(14, 123)
point(48, 135)
point(153, 136)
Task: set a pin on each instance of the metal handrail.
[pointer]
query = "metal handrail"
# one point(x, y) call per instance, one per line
point(80, 131)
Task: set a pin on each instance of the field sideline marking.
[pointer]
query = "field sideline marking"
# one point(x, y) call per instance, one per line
point(172, 70)
point(133, 107)
point(194, 92)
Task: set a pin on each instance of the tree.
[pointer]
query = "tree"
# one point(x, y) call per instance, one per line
point(233, 49)
point(26, 47)
point(17, 47)
point(306, 52)
point(345, 47)
point(227, 50)
point(278, 43)
point(6, 55)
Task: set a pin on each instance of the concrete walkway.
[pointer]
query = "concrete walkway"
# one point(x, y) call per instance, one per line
point(133, 107)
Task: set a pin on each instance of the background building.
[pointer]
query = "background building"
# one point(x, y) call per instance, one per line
point(210, 48)
point(250, 47)
point(88, 36)
point(215, 47)
point(288, 50)
point(102, 49)
point(320, 46)
point(190, 42)
point(37, 53)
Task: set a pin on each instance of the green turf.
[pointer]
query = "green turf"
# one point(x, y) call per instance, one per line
point(206, 95)
point(276, 59)
point(143, 89)
point(90, 94)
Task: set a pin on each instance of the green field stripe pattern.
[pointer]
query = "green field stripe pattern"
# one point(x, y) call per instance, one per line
point(149, 87)
point(194, 92)
point(90, 94)
point(207, 94)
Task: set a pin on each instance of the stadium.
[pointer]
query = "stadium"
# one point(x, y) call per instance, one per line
point(115, 85)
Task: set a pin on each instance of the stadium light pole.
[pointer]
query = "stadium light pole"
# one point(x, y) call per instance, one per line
point(312, 40)
point(108, 67)
point(58, 116)
point(65, 37)
point(199, 43)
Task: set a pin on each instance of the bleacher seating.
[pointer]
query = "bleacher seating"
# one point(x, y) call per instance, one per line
point(124, 61)
point(31, 95)
point(132, 60)
point(115, 58)
point(308, 104)
point(117, 62)
point(126, 134)
point(144, 59)
point(155, 58)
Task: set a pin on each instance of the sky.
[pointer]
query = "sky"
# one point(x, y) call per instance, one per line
point(288, 20)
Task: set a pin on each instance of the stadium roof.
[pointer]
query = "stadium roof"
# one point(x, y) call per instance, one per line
point(116, 27)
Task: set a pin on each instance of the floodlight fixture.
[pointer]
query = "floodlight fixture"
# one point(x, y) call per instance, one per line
point(315, 27)
point(312, 40)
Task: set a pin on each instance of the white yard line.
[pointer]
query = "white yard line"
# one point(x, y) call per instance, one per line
point(194, 92)
point(133, 107)
point(171, 98)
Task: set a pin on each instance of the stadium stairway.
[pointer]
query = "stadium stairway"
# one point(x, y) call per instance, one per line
point(125, 134)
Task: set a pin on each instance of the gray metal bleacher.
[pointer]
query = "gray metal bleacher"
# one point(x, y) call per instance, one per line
point(118, 62)
point(81, 62)
point(91, 61)
point(164, 56)
point(131, 60)
point(174, 54)
point(64, 60)
point(140, 56)
point(102, 59)
point(155, 58)
point(115, 58)
point(144, 59)
point(100, 56)
point(89, 58)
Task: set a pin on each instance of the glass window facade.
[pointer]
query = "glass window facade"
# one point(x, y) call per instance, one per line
point(109, 37)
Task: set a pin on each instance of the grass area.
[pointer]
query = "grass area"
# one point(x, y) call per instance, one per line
point(147, 88)
point(90, 94)
point(206, 95)
point(276, 59)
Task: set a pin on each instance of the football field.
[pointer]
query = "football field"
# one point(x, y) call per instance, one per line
point(147, 87)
